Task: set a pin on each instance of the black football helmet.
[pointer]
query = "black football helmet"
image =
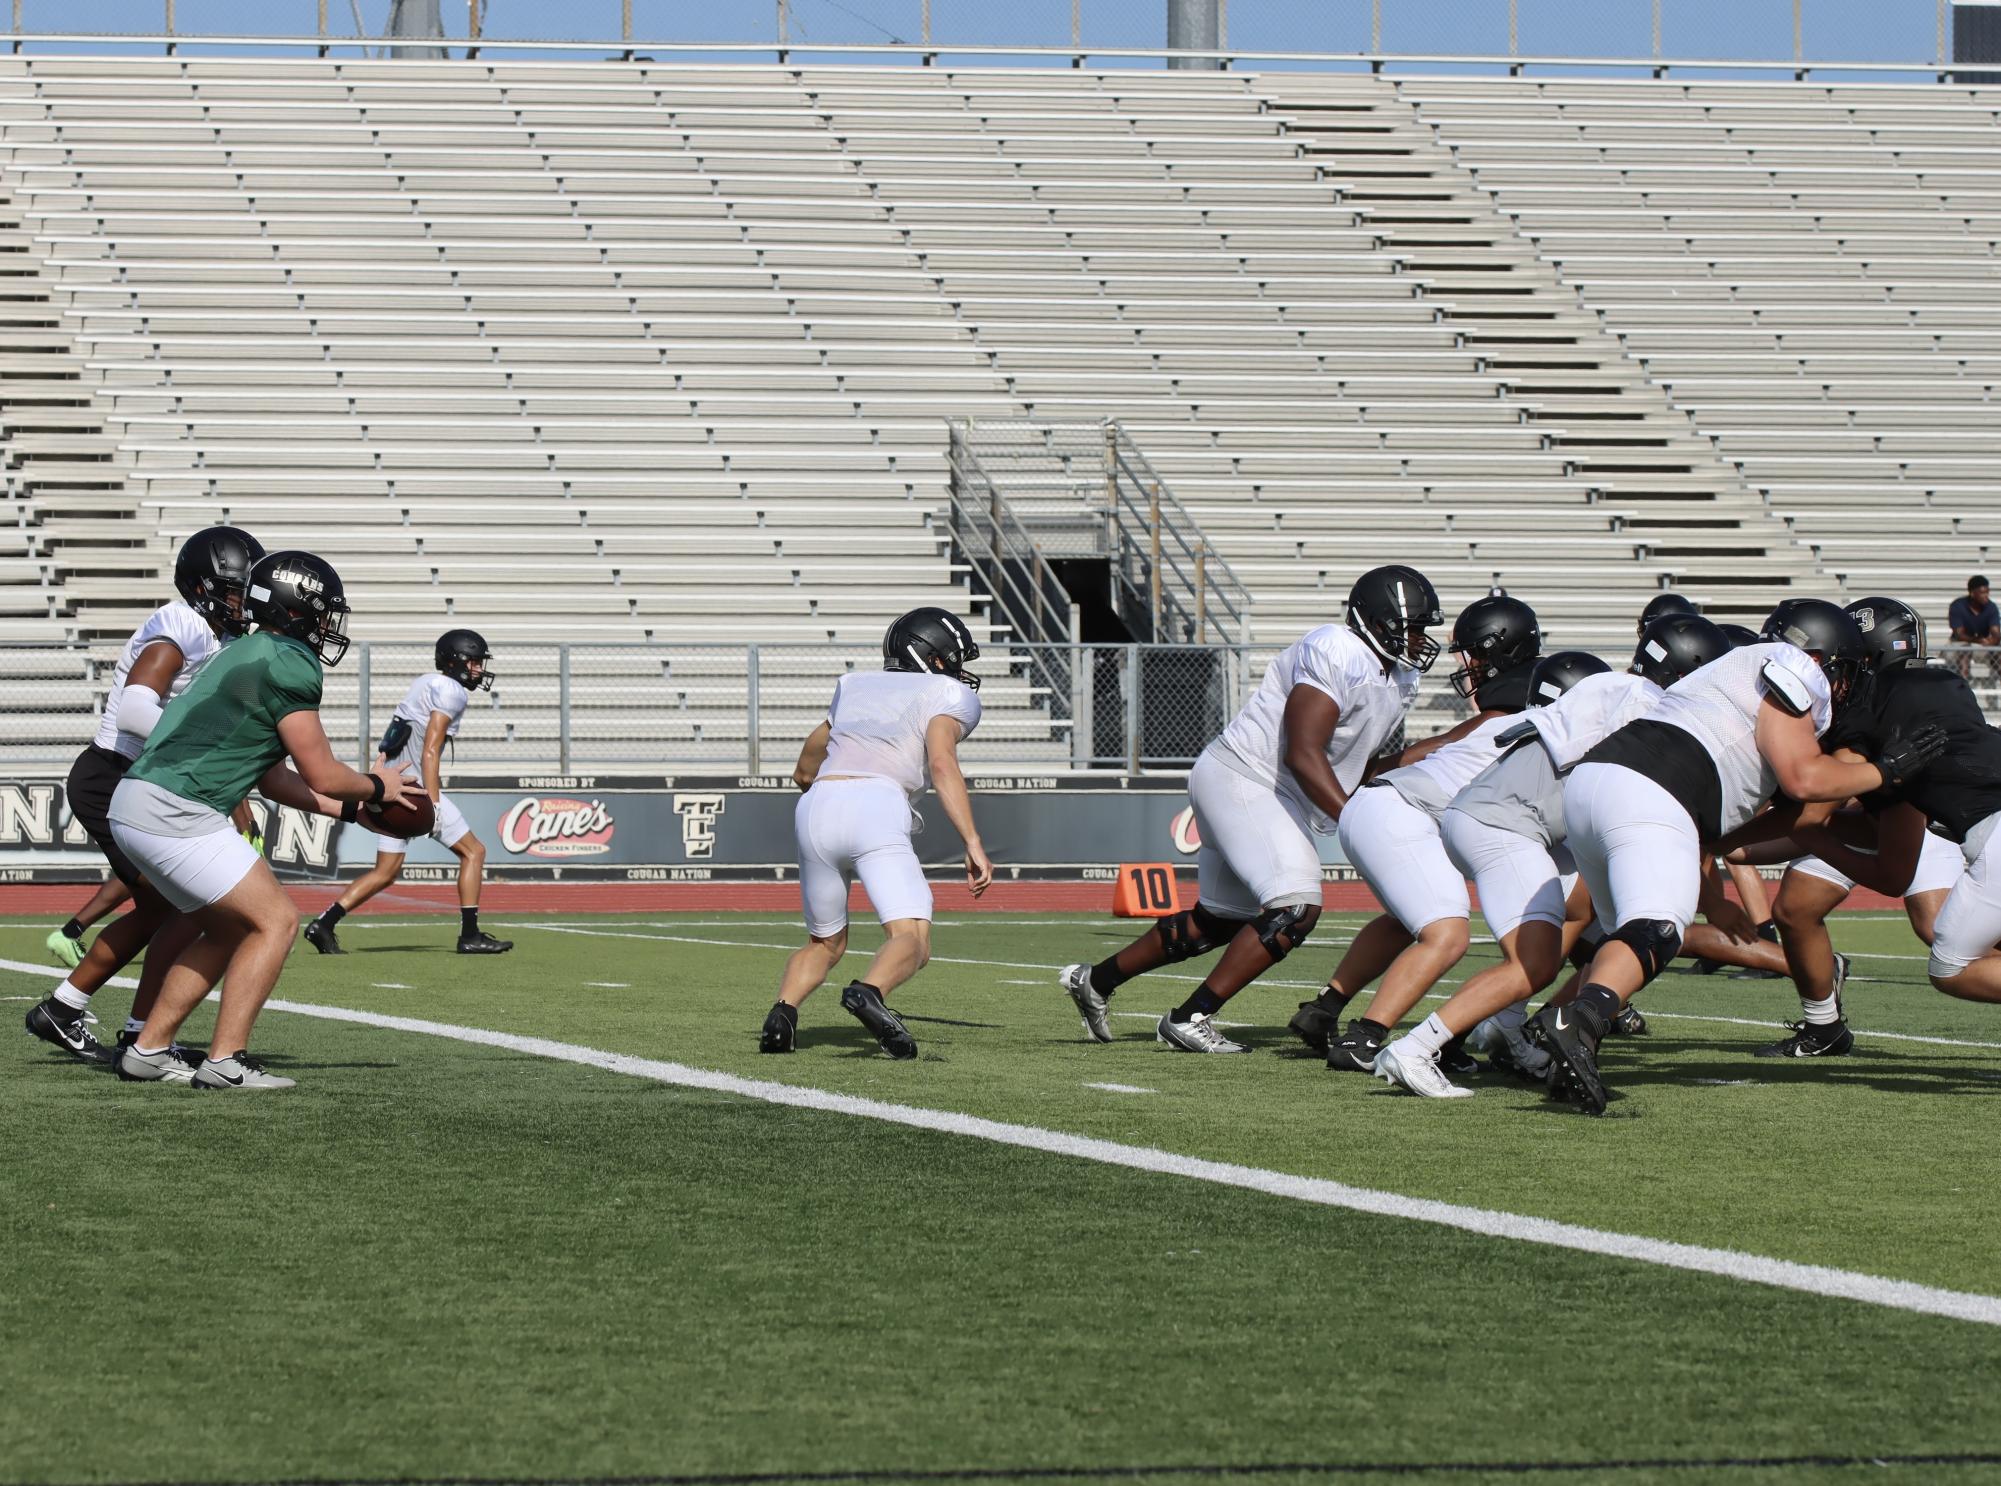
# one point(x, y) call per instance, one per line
point(1893, 633)
point(1739, 634)
point(213, 565)
point(454, 654)
point(298, 594)
point(1672, 647)
point(1825, 631)
point(931, 640)
point(1386, 604)
point(1494, 634)
point(1663, 604)
point(1556, 673)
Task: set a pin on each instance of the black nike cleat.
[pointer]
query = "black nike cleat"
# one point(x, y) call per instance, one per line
point(321, 938)
point(483, 943)
point(64, 1027)
point(1812, 1040)
point(1315, 1025)
point(1628, 1023)
point(1354, 1051)
point(781, 1030)
point(1570, 1042)
point(865, 1005)
point(1455, 1062)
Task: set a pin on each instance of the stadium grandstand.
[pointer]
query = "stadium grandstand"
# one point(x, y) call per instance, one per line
point(673, 351)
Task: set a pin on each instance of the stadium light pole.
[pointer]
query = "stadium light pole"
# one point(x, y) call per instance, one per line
point(1195, 26)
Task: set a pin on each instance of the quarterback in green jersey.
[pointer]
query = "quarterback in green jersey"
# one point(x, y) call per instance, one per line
point(230, 733)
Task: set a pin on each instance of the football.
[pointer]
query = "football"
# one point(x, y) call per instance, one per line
point(412, 818)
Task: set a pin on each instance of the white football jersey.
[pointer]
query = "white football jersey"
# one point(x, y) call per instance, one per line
point(433, 691)
point(879, 719)
point(1719, 705)
point(1433, 780)
point(1332, 659)
point(190, 634)
point(1591, 711)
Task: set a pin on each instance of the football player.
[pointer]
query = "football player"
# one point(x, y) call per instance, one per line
point(1399, 851)
point(1906, 860)
point(1284, 769)
point(428, 715)
point(1648, 805)
point(230, 733)
point(1497, 639)
point(158, 663)
point(1505, 830)
point(885, 734)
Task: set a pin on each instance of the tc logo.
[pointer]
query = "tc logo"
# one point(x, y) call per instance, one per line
point(698, 824)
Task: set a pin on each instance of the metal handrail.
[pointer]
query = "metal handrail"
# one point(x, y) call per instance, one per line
point(628, 48)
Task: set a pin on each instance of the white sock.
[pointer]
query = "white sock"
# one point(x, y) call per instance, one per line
point(1820, 1013)
point(71, 997)
point(135, 1025)
point(1430, 1036)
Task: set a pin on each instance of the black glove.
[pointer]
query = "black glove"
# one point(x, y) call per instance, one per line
point(1906, 755)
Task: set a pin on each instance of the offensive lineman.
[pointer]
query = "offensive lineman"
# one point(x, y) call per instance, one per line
point(158, 663)
point(429, 713)
point(1283, 769)
point(886, 733)
point(1647, 803)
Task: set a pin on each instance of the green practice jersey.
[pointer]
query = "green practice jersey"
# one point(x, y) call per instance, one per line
point(219, 737)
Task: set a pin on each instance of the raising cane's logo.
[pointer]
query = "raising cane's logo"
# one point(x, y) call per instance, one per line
point(1187, 835)
point(551, 826)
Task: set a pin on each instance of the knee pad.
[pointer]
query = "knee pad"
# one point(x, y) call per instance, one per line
point(1282, 930)
point(1195, 931)
point(1653, 941)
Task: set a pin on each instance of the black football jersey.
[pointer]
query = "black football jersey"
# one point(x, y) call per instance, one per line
point(1962, 787)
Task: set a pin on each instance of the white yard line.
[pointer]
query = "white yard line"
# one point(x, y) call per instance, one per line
point(1784, 1274)
point(1122, 1088)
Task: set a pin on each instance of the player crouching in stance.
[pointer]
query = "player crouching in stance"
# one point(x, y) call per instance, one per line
point(884, 733)
point(1283, 769)
point(230, 732)
point(429, 713)
point(159, 662)
point(1505, 830)
point(1646, 805)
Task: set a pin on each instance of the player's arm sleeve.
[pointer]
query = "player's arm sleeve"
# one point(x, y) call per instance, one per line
point(1325, 669)
point(296, 683)
point(963, 708)
point(139, 710)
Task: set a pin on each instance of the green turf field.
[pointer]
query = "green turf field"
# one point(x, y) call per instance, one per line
point(443, 1260)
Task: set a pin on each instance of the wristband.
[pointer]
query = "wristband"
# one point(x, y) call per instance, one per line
point(375, 789)
point(350, 811)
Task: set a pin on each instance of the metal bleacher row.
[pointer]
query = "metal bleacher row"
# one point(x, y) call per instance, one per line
point(626, 352)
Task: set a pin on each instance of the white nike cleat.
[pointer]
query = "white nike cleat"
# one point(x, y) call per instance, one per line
point(1404, 1066)
point(1076, 979)
point(1196, 1035)
point(237, 1071)
point(171, 1065)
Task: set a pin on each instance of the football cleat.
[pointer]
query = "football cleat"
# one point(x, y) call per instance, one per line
point(483, 943)
point(1198, 1034)
point(1573, 1048)
point(173, 1065)
point(1091, 1008)
point(1354, 1051)
point(1406, 1068)
point(321, 938)
point(64, 1027)
point(1628, 1023)
point(781, 1031)
point(1315, 1024)
point(865, 1005)
point(237, 1071)
point(1812, 1040)
point(66, 952)
point(1456, 1062)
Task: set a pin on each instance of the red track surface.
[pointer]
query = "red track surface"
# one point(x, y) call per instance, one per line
point(699, 897)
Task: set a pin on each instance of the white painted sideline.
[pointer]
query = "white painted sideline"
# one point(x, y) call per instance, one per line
point(1811, 1279)
point(1783, 1274)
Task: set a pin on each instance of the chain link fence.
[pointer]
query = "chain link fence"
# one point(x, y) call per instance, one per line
point(1912, 33)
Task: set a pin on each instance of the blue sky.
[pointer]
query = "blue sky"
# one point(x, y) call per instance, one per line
point(1835, 30)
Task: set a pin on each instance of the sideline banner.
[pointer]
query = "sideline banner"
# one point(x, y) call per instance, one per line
point(666, 828)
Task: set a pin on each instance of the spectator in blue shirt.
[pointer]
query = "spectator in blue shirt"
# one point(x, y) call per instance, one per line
point(1975, 619)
